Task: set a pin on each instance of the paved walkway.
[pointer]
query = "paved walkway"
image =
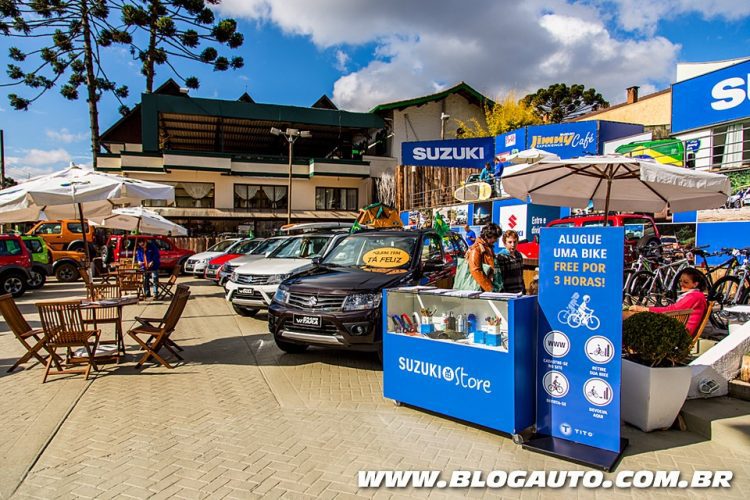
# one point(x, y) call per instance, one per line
point(242, 420)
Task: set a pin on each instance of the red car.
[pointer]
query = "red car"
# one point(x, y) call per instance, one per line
point(123, 247)
point(640, 231)
point(242, 248)
point(15, 264)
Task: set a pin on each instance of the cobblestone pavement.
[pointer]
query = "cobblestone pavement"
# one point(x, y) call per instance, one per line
point(242, 420)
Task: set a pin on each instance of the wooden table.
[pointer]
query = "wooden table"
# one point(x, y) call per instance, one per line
point(119, 303)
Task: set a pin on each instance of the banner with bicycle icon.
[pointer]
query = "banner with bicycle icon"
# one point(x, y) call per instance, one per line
point(580, 337)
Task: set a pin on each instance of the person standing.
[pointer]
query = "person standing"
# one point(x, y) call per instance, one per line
point(510, 263)
point(471, 236)
point(497, 174)
point(482, 253)
point(486, 174)
point(147, 256)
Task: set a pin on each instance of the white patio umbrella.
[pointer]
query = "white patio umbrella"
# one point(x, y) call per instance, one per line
point(141, 220)
point(531, 155)
point(615, 182)
point(70, 193)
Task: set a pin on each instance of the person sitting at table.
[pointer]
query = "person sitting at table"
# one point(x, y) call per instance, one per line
point(693, 284)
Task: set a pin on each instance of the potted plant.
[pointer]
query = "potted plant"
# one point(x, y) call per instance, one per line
point(655, 382)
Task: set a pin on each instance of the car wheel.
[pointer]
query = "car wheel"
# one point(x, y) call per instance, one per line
point(289, 347)
point(36, 279)
point(67, 272)
point(245, 311)
point(13, 283)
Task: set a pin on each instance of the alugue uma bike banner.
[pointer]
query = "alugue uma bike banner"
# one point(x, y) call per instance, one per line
point(580, 340)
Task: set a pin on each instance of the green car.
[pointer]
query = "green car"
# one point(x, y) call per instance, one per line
point(41, 261)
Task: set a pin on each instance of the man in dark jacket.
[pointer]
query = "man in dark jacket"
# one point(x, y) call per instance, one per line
point(510, 263)
point(147, 256)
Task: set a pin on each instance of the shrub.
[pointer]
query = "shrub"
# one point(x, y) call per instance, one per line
point(655, 340)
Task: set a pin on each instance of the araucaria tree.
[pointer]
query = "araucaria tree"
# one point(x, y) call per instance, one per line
point(559, 102)
point(176, 28)
point(71, 34)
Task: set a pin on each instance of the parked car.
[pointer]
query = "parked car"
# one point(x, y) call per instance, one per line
point(337, 302)
point(65, 265)
point(41, 261)
point(640, 231)
point(198, 262)
point(242, 248)
point(123, 247)
point(15, 265)
point(251, 286)
point(63, 234)
point(260, 252)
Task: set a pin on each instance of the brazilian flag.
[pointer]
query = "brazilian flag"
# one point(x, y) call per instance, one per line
point(440, 226)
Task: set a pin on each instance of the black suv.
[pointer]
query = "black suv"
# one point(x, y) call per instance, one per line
point(337, 302)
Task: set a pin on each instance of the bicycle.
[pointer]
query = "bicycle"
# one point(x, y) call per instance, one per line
point(555, 387)
point(731, 289)
point(587, 319)
point(658, 287)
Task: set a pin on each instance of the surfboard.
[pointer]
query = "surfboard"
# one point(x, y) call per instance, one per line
point(473, 191)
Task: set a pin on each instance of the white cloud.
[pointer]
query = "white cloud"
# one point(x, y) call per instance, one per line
point(342, 59)
point(36, 162)
point(63, 135)
point(494, 46)
point(644, 15)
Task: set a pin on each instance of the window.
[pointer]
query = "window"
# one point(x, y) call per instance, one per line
point(431, 249)
point(49, 228)
point(188, 195)
point(34, 246)
point(9, 247)
point(162, 244)
point(564, 224)
point(75, 227)
point(260, 197)
point(336, 198)
point(596, 223)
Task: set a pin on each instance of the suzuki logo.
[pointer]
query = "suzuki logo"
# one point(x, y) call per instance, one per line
point(730, 93)
point(312, 301)
point(512, 220)
point(447, 153)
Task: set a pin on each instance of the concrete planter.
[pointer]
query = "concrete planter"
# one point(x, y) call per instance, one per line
point(652, 397)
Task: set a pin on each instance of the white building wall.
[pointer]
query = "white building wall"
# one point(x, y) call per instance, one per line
point(422, 123)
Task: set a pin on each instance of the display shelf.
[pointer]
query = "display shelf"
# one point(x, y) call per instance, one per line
point(492, 386)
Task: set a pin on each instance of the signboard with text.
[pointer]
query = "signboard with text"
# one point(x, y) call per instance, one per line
point(566, 140)
point(716, 97)
point(580, 335)
point(470, 153)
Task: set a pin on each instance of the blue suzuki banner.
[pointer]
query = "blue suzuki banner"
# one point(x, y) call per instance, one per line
point(566, 140)
point(720, 96)
point(510, 143)
point(473, 153)
point(580, 335)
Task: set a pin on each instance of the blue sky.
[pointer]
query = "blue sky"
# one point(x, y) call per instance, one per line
point(361, 53)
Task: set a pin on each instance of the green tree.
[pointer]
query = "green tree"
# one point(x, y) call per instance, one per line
point(176, 28)
point(500, 117)
point(71, 35)
point(559, 102)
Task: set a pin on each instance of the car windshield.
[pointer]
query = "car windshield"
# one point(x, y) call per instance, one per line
point(302, 247)
point(245, 247)
point(372, 251)
point(267, 246)
point(222, 246)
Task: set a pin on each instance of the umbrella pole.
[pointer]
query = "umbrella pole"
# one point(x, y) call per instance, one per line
point(606, 201)
point(83, 233)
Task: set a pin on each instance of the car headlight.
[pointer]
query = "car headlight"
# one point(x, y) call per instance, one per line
point(281, 296)
point(361, 301)
point(233, 277)
point(277, 278)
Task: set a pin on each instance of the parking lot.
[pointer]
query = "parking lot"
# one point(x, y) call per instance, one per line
point(241, 419)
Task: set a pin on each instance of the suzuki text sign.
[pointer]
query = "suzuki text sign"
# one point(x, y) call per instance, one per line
point(720, 96)
point(580, 335)
point(472, 153)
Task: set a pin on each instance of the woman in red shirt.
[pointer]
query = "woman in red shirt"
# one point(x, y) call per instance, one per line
point(692, 284)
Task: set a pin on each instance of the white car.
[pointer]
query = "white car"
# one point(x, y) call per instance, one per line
point(197, 263)
point(251, 286)
point(260, 252)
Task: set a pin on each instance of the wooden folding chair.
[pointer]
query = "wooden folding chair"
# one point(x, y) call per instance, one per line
point(153, 337)
point(130, 282)
point(156, 323)
point(165, 289)
point(702, 326)
point(24, 333)
point(85, 276)
point(64, 328)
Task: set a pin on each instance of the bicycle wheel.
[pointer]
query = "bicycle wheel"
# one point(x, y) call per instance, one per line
point(562, 316)
point(640, 284)
point(626, 278)
point(593, 323)
point(574, 320)
point(723, 293)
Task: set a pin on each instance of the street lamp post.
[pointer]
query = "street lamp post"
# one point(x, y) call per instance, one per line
point(291, 135)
